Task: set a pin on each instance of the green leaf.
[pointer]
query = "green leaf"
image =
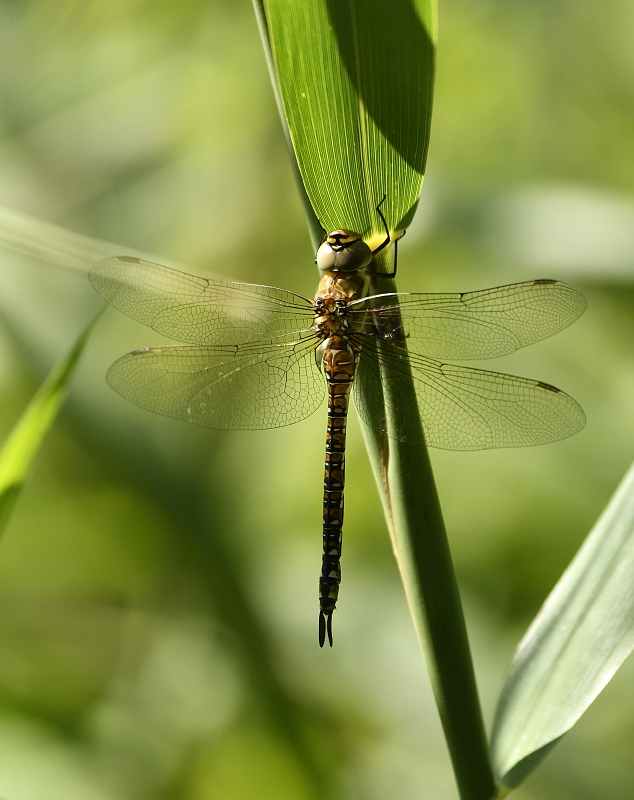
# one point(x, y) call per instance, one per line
point(27, 436)
point(579, 639)
point(355, 79)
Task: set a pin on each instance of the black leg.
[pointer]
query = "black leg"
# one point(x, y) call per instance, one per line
point(393, 273)
point(387, 230)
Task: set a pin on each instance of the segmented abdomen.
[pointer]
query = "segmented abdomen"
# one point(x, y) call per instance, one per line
point(339, 367)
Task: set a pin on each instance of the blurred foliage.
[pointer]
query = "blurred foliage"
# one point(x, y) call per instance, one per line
point(158, 582)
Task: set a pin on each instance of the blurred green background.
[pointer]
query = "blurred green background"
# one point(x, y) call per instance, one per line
point(158, 583)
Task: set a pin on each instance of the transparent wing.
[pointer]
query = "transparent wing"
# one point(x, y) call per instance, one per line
point(197, 310)
point(484, 324)
point(227, 387)
point(462, 408)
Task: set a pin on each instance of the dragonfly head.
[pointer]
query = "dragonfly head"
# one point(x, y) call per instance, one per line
point(343, 251)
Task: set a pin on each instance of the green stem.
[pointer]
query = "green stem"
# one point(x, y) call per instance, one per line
point(414, 516)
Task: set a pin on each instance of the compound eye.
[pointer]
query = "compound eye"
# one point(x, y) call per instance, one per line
point(325, 258)
point(343, 251)
point(354, 257)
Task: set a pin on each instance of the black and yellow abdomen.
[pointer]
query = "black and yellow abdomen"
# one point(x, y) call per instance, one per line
point(339, 363)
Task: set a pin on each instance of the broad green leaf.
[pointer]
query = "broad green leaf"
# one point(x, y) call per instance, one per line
point(579, 639)
point(355, 79)
point(27, 436)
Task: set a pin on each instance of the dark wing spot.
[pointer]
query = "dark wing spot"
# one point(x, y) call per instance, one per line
point(541, 281)
point(548, 387)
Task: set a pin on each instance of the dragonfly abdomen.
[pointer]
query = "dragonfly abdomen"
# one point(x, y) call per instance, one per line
point(339, 363)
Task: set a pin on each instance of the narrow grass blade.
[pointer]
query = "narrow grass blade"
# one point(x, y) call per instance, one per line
point(68, 250)
point(28, 434)
point(49, 243)
point(355, 78)
point(579, 639)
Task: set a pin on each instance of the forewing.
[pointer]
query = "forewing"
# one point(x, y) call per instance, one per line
point(483, 324)
point(462, 408)
point(223, 387)
point(197, 310)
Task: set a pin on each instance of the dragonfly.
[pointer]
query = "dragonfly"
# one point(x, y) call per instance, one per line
point(258, 357)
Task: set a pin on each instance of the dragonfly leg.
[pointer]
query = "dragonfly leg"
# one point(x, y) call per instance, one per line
point(388, 238)
point(392, 274)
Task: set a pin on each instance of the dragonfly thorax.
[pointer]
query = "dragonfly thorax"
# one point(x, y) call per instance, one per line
point(343, 251)
point(330, 317)
point(335, 292)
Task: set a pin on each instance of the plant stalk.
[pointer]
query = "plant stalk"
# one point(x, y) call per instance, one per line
point(412, 509)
